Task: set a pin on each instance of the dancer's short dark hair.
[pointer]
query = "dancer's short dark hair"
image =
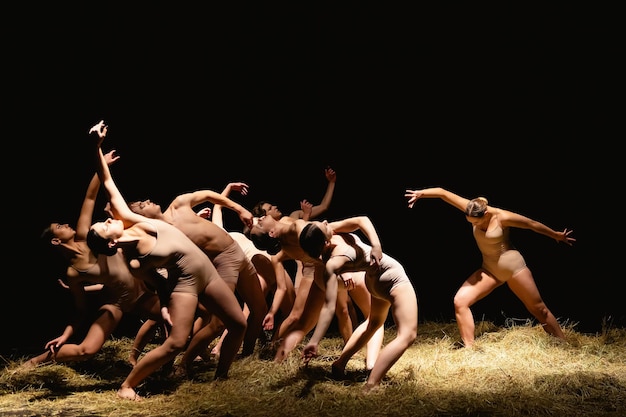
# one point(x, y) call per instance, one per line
point(99, 245)
point(312, 240)
point(264, 241)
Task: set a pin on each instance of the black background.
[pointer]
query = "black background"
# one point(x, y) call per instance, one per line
point(511, 103)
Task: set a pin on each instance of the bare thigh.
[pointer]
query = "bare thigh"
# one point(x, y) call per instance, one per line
point(524, 287)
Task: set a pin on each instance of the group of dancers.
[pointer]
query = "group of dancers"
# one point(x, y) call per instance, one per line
point(181, 269)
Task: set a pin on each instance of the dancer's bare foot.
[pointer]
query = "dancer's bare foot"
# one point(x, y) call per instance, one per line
point(29, 364)
point(128, 394)
point(370, 388)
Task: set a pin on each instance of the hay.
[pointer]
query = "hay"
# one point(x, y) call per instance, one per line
point(516, 370)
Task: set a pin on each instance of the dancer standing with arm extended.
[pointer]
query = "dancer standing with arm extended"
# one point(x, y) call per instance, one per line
point(501, 261)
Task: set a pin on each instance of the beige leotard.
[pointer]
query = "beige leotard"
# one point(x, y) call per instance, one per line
point(500, 258)
point(247, 246)
point(121, 287)
point(232, 262)
point(381, 282)
point(188, 268)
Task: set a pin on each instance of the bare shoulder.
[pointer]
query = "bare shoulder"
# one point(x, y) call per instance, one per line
point(181, 200)
point(496, 210)
point(289, 220)
point(504, 215)
point(296, 214)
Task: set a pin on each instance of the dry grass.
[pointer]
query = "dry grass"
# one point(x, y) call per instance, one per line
point(512, 371)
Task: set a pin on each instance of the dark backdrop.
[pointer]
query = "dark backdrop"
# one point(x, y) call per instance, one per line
point(514, 105)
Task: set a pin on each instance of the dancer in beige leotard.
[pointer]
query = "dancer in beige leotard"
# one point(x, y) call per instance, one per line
point(387, 282)
point(285, 235)
point(501, 261)
point(500, 258)
point(190, 279)
point(122, 293)
point(227, 256)
point(305, 271)
point(260, 259)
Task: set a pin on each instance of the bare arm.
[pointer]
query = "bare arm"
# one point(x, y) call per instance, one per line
point(119, 207)
point(307, 209)
point(364, 224)
point(510, 219)
point(437, 192)
point(330, 286)
point(316, 211)
point(281, 289)
point(202, 196)
point(218, 217)
point(86, 210)
point(80, 304)
point(85, 218)
point(88, 288)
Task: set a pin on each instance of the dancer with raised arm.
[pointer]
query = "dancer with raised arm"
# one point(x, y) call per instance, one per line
point(501, 261)
point(386, 280)
point(226, 255)
point(122, 293)
point(190, 279)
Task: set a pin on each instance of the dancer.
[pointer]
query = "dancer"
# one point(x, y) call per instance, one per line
point(305, 271)
point(226, 255)
point(151, 323)
point(386, 280)
point(121, 292)
point(501, 261)
point(190, 279)
point(285, 236)
point(260, 259)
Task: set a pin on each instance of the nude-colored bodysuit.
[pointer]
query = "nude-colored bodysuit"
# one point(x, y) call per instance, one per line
point(500, 258)
point(188, 268)
point(232, 263)
point(378, 282)
point(247, 246)
point(123, 289)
